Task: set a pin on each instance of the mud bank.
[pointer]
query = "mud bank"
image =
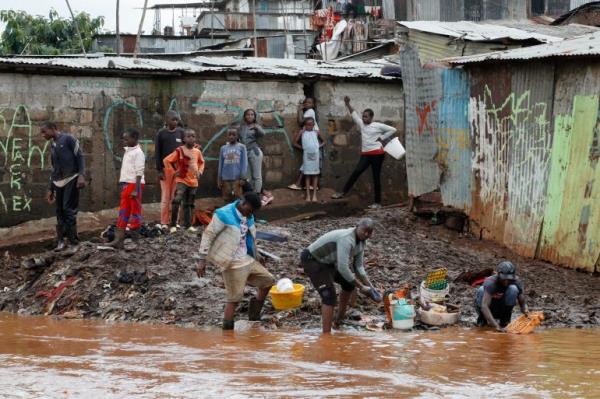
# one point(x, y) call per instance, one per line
point(154, 279)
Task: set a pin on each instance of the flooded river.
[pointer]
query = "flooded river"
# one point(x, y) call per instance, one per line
point(45, 358)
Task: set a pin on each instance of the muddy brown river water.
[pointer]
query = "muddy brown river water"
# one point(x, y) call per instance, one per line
point(47, 358)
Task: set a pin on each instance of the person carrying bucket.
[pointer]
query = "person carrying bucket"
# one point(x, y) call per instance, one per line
point(372, 154)
point(498, 295)
point(337, 257)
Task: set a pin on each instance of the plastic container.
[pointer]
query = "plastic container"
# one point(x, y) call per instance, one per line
point(395, 148)
point(403, 315)
point(433, 318)
point(287, 300)
point(428, 295)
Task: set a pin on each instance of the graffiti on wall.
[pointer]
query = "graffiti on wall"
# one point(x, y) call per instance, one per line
point(423, 111)
point(20, 155)
point(262, 107)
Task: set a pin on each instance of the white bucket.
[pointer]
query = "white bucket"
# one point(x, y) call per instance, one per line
point(395, 148)
point(428, 295)
point(406, 324)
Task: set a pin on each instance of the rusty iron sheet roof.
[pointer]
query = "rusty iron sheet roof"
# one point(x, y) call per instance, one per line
point(477, 32)
point(200, 64)
point(587, 45)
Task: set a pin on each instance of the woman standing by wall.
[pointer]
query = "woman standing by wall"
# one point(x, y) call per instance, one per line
point(249, 133)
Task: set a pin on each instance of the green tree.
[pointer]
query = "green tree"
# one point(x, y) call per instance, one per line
point(37, 35)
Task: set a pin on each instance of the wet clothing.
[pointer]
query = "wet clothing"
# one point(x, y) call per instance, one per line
point(220, 245)
point(341, 249)
point(130, 209)
point(323, 276)
point(165, 143)
point(189, 162)
point(132, 165)
point(249, 135)
point(310, 153)
point(370, 133)
point(185, 195)
point(68, 164)
point(504, 298)
point(233, 162)
point(252, 273)
point(376, 164)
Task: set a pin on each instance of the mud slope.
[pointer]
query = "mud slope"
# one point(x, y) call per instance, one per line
point(154, 280)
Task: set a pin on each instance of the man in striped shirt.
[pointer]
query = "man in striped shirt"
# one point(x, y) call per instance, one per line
point(338, 257)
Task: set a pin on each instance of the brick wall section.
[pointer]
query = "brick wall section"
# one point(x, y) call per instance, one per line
point(98, 109)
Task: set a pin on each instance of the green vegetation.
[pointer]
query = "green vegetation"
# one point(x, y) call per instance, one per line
point(38, 35)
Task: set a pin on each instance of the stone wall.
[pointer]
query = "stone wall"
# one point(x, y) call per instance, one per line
point(98, 109)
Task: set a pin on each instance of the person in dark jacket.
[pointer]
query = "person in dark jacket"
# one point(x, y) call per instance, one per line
point(66, 179)
point(168, 139)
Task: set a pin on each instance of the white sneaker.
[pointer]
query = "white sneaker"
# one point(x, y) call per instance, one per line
point(192, 229)
point(375, 206)
point(173, 230)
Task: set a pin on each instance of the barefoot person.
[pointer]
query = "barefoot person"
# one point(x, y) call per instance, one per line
point(497, 297)
point(338, 256)
point(249, 134)
point(66, 179)
point(310, 142)
point(372, 154)
point(229, 242)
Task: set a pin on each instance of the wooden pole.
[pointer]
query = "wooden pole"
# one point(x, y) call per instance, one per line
point(76, 28)
point(139, 33)
point(118, 32)
point(254, 24)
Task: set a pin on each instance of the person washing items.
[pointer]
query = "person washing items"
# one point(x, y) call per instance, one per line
point(186, 163)
point(497, 297)
point(233, 166)
point(131, 182)
point(66, 179)
point(167, 140)
point(229, 242)
point(338, 257)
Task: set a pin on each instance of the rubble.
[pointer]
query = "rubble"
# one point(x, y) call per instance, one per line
point(154, 279)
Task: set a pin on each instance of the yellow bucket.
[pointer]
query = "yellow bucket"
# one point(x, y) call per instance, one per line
point(287, 300)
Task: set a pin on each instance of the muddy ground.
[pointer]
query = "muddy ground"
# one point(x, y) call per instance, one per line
point(155, 281)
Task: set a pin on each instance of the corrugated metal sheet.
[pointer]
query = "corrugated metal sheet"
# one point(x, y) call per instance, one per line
point(557, 7)
point(529, 144)
point(578, 3)
point(243, 21)
point(452, 10)
point(454, 140)
point(473, 10)
point(477, 32)
point(422, 91)
point(199, 65)
point(587, 45)
point(564, 31)
point(424, 10)
point(571, 232)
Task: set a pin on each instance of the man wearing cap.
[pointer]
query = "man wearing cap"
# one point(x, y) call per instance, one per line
point(498, 295)
point(337, 257)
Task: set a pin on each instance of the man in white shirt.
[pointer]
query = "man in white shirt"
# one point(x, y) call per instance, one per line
point(372, 153)
point(131, 182)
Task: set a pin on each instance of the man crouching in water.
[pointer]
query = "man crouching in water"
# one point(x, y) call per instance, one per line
point(229, 241)
point(338, 256)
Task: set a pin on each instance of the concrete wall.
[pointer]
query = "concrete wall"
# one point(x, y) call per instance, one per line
point(98, 109)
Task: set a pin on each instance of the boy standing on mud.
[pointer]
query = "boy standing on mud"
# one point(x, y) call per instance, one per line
point(186, 164)
point(233, 166)
point(66, 179)
point(229, 242)
point(167, 140)
point(131, 182)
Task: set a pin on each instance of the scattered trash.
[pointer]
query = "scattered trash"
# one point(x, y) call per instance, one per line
point(269, 255)
point(270, 236)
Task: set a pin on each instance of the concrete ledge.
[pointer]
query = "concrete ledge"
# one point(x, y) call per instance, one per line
point(287, 203)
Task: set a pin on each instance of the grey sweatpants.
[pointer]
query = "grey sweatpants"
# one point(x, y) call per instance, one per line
point(255, 159)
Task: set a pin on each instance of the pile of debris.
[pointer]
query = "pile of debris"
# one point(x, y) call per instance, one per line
point(154, 279)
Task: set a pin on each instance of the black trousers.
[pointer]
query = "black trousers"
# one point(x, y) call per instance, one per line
point(376, 163)
point(186, 195)
point(67, 206)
